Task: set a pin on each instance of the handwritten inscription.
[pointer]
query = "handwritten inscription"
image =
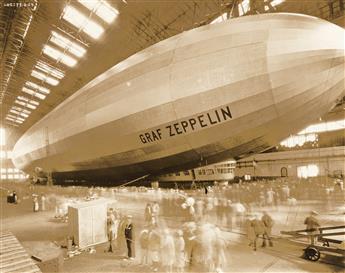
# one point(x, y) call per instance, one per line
point(187, 125)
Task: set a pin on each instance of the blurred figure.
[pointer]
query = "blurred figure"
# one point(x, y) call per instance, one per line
point(15, 197)
point(229, 214)
point(168, 251)
point(180, 252)
point(199, 210)
point(240, 212)
point(110, 228)
point(268, 223)
point(148, 214)
point(43, 202)
point(259, 230)
point(35, 203)
point(144, 245)
point(129, 235)
point(155, 212)
point(285, 192)
point(189, 238)
point(270, 197)
point(312, 226)
point(219, 252)
point(250, 231)
point(154, 248)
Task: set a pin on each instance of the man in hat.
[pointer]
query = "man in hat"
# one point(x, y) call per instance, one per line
point(129, 235)
point(313, 225)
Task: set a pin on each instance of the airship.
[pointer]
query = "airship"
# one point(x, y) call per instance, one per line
point(220, 91)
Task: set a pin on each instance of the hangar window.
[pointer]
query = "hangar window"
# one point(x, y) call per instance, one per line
point(220, 19)
point(57, 73)
point(102, 9)
point(59, 56)
point(324, 127)
point(276, 2)
point(25, 104)
point(28, 100)
point(13, 120)
point(21, 110)
point(298, 140)
point(37, 87)
point(67, 44)
point(18, 113)
point(44, 78)
point(83, 23)
point(310, 170)
point(33, 93)
point(2, 137)
point(243, 7)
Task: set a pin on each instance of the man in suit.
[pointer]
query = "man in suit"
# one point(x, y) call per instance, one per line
point(129, 235)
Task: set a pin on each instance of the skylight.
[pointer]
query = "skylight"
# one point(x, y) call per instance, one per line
point(21, 110)
point(80, 21)
point(59, 56)
point(33, 93)
point(25, 104)
point(19, 113)
point(276, 2)
point(67, 44)
point(2, 137)
point(220, 19)
point(28, 100)
point(57, 73)
point(15, 119)
point(37, 87)
point(105, 11)
point(44, 78)
point(244, 7)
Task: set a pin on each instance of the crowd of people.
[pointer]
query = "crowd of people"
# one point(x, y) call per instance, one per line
point(180, 228)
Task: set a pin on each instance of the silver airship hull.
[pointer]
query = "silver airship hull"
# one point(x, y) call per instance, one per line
point(219, 91)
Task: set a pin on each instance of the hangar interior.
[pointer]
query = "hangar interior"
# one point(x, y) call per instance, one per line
point(197, 217)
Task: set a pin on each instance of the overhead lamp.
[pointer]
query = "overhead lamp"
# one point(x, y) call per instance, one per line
point(59, 56)
point(57, 73)
point(103, 10)
point(37, 87)
point(67, 44)
point(83, 23)
point(33, 93)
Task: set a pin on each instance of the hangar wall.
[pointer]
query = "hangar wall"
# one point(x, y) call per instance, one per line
point(330, 161)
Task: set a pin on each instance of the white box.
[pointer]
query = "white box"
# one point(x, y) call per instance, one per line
point(87, 222)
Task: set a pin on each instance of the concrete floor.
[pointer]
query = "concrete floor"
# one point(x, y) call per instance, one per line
point(284, 256)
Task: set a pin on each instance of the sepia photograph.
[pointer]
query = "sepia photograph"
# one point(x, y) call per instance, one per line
point(172, 136)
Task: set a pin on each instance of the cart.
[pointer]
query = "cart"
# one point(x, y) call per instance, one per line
point(326, 245)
